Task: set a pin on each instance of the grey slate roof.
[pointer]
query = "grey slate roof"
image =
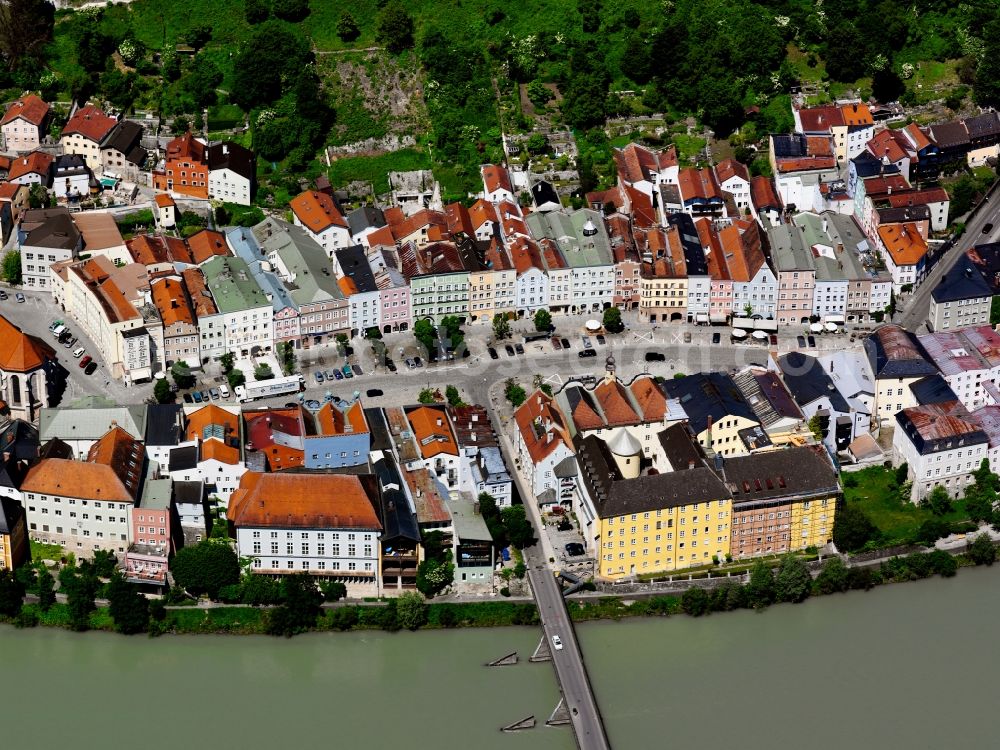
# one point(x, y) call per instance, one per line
point(232, 156)
point(91, 423)
point(398, 519)
point(185, 457)
point(354, 264)
point(163, 424)
point(708, 394)
point(366, 217)
point(126, 137)
point(787, 472)
point(894, 352)
point(808, 381)
point(932, 390)
point(11, 512)
point(962, 281)
point(20, 439)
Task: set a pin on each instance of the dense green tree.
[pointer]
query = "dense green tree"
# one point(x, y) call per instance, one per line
point(333, 591)
point(695, 602)
point(852, 529)
point(514, 393)
point(181, 372)
point(206, 567)
point(833, 577)
point(434, 576)
point(162, 392)
point(302, 605)
point(198, 35)
point(931, 530)
point(981, 550)
point(394, 27)
point(539, 93)
point(942, 563)
point(887, 86)
point(590, 14)
point(501, 326)
point(25, 28)
point(94, 48)
point(105, 563)
point(612, 320)
point(226, 361)
point(411, 610)
point(260, 590)
point(426, 396)
point(235, 378)
point(543, 320)
point(11, 593)
point(46, 589)
point(843, 61)
point(202, 80)
point(520, 532)
point(986, 90)
point(347, 27)
point(760, 590)
point(453, 396)
point(793, 582)
point(128, 608)
point(291, 10)
point(938, 501)
point(343, 618)
point(118, 87)
point(274, 53)
point(256, 11)
point(80, 588)
point(426, 334)
point(12, 267)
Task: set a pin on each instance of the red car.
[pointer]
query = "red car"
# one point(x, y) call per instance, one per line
point(85, 361)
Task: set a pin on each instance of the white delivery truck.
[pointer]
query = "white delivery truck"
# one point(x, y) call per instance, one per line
point(269, 388)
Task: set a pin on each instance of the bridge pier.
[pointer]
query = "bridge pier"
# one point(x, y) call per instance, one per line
point(560, 715)
point(542, 652)
point(525, 723)
point(504, 661)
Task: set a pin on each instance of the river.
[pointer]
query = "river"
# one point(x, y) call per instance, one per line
point(907, 665)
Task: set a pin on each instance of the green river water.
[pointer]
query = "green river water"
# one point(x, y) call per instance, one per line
point(904, 666)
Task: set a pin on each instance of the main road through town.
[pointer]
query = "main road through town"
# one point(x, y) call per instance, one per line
point(916, 308)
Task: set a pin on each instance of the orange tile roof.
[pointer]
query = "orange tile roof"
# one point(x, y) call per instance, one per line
point(884, 144)
point(432, 431)
point(651, 400)
point(496, 178)
point(741, 245)
point(186, 147)
point(856, 114)
point(551, 255)
point(698, 183)
point(458, 219)
point(65, 478)
point(382, 236)
point(480, 213)
point(584, 414)
point(347, 285)
point(317, 211)
point(215, 449)
point(90, 122)
point(10, 189)
point(171, 300)
point(916, 197)
point(99, 231)
point(208, 417)
point(821, 119)
point(124, 454)
point(763, 194)
point(541, 409)
point(635, 163)
point(818, 145)
point(30, 108)
point(428, 503)
point(498, 257)
point(206, 244)
point(613, 397)
point(303, 500)
point(904, 243)
point(164, 201)
point(728, 168)
point(37, 162)
point(917, 136)
point(525, 255)
point(201, 298)
point(19, 351)
point(333, 421)
point(643, 213)
point(886, 184)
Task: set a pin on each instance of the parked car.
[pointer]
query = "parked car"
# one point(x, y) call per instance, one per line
point(188, 399)
point(801, 341)
point(655, 357)
point(586, 353)
point(493, 353)
point(716, 337)
point(214, 393)
point(79, 352)
point(358, 370)
point(774, 339)
point(374, 392)
point(196, 395)
point(601, 340)
point(987, 228)
point(390, 365)
point(586, 342)
point(224, 390)
point(3, 294)
point(557, 642)
point(418, 362)
point(19, 297)
point(329, 374)
point(574, 549)
point(410, 363)
point(519, 348)
point(338, 375)
point(54, 325)
point(89, 369)
point(86, 361)
point(687, 337)
point(812, 341)
point(509, 349)
point(348, 372)
point(70, 342)
point(556, 343)
point(318, 375)
point(565, 343)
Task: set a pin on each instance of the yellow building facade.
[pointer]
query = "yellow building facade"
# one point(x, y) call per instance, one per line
point(14, 547)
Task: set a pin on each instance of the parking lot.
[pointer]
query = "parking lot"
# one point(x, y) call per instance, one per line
point(577, 564)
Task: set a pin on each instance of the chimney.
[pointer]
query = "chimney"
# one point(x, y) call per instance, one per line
point(825, 224)
point(691, 463)
point(888, 190)
point(439, 422)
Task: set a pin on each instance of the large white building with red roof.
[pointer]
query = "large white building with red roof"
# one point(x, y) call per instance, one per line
point(24, 360)
point(84, 133)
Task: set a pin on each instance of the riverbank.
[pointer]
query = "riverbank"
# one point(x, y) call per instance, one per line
point(791, 582)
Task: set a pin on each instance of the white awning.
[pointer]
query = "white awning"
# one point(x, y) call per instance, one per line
point(760, 335)
point(738, 333)
point(701, 317)
point(833, 318)
point(816, 328)
point(831, 327)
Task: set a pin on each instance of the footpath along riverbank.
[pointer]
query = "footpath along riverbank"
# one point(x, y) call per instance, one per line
point(791, 581)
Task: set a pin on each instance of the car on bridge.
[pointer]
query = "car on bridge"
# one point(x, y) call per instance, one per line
point(557, 642)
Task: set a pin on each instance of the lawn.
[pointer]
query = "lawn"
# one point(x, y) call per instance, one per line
point(375, 169)
point(41, 551)
point(898, 520)
point(688, 146)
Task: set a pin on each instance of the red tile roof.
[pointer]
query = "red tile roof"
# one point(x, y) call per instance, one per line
point(541, 410)
point(636, 163)
point(124, 454)
point(30, 108)
point(317, 211)
point(91, 123)
point(432, 431)
point(729, 168)
point(525, 255)
point(903, 242)
point(19, 351)
point(164, 201)
point(763, 194)
point(37, 162)
point(496, 178)
point(698, 184)
point(186, 147)
point(302, 500)
point(614, 401)
point(821, 119)
point(651, 400)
